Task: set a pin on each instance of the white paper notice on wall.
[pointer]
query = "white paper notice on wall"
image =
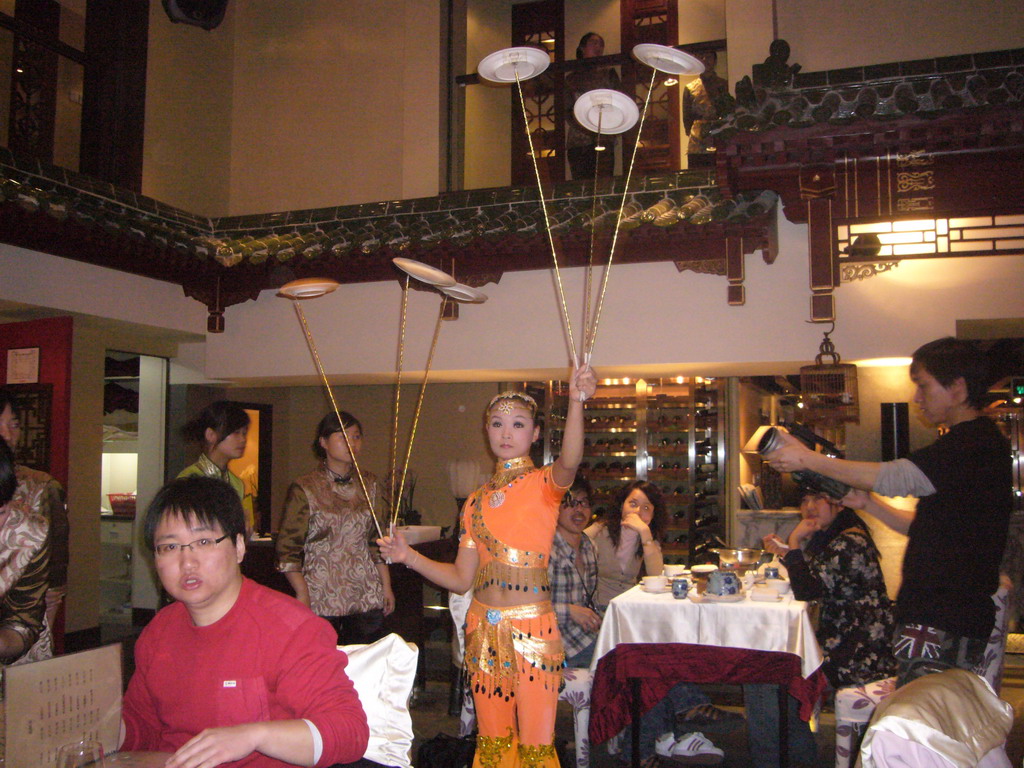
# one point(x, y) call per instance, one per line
point(23, 366)
point(59, 701)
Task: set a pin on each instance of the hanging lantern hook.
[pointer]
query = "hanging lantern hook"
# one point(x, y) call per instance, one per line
point(827, 348)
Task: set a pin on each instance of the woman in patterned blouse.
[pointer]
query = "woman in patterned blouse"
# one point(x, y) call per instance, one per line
point(832, 558)
point(324, 545)
point(25, 546)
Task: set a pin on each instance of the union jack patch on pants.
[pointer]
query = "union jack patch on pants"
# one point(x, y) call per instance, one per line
point(921, 650)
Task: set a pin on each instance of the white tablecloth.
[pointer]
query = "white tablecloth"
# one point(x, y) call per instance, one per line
point(640, 617)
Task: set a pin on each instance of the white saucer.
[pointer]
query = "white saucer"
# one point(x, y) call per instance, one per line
point(707, 597)
point(461, 292)
point(424, 272)
point(669, 60)
point(502, 66)
point(308, 288)
point(661, 591)
point(606, 111)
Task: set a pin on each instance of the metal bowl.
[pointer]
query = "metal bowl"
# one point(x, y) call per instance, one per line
point(740, 560)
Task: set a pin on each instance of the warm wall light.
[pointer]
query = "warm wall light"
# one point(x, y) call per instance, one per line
point(670, 81)
point(915, 237)
point(883, 362)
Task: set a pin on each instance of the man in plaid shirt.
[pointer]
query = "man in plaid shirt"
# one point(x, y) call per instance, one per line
point(572, 571)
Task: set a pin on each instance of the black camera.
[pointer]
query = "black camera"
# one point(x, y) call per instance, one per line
point(807, 479)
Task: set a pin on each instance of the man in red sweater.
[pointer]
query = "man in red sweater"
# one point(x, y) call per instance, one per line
point(232, 672)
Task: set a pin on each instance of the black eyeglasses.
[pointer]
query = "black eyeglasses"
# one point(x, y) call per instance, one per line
point(569, 501)
point(199, 545)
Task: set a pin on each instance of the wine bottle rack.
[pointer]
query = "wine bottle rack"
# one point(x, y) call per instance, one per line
point(668, 431)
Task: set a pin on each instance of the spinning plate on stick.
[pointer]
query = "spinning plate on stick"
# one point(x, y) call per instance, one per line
point(669, 60)
point(511, 64)
point(424, 272)
point(606, 111)
point(308, 288)
point(461, 292)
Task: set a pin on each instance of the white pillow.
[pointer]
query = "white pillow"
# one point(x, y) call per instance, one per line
point(383, 674)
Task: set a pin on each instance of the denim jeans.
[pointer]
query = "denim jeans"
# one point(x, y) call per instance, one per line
point(762, 704)
point(662, 718)
point(583, 658)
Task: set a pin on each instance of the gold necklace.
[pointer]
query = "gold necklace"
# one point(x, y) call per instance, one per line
point(505, 473)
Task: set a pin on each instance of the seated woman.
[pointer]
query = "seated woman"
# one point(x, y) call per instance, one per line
point(26, 562)
point(625, 544)
point(231, 670)
point(831, 558)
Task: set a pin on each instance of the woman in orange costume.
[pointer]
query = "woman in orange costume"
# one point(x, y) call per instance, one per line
point(513, 649)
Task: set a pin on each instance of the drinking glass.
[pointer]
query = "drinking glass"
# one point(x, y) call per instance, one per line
point(81, 754)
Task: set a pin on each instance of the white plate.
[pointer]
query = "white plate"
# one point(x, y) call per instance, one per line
point(606, 111)
point(707, 597)
point(425, 273)
point(659, 591)
point(308, 288)
point(502, 66)
point(669, 60)
point(462, 292)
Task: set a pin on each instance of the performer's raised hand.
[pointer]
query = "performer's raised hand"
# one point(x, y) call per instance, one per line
point(582, 383)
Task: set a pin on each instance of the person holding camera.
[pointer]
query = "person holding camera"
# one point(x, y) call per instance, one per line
point(957, 534)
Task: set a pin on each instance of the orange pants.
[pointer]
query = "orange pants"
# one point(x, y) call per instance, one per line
point(514, 658)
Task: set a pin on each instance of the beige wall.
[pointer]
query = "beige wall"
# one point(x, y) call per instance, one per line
point(827, 34)
point(333, 103)
point(293, 105)
point(653, 316)
point(187, 149)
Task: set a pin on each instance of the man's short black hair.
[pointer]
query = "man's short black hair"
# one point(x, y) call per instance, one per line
point(203, 499)
point(580, 485)
point(949, 359)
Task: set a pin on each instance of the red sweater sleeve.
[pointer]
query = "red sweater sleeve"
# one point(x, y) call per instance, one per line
point(313, 684)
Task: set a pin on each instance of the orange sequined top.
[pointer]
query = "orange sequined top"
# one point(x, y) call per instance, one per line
point(511, 522)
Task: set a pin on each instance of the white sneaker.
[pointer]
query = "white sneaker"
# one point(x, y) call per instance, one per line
point(691, 749)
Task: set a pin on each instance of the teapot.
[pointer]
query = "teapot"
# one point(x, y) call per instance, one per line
point(723, 583)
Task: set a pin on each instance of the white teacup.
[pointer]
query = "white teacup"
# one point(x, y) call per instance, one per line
point(674, 570)
point(779, 585)
point(655, 583)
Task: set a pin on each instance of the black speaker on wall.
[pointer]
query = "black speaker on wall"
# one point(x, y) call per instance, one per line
point(895, 431)
point(200, 13)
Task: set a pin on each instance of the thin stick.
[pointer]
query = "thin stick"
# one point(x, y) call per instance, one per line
point(547, 223)
point(588, 283)
point(588, 345)
point(334, 405)
point(398, 394)
point(419, 405)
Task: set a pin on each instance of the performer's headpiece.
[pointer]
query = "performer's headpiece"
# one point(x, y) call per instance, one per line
point(506, 401)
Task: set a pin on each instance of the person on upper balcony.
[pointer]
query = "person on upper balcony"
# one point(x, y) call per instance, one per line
point(581, 144)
